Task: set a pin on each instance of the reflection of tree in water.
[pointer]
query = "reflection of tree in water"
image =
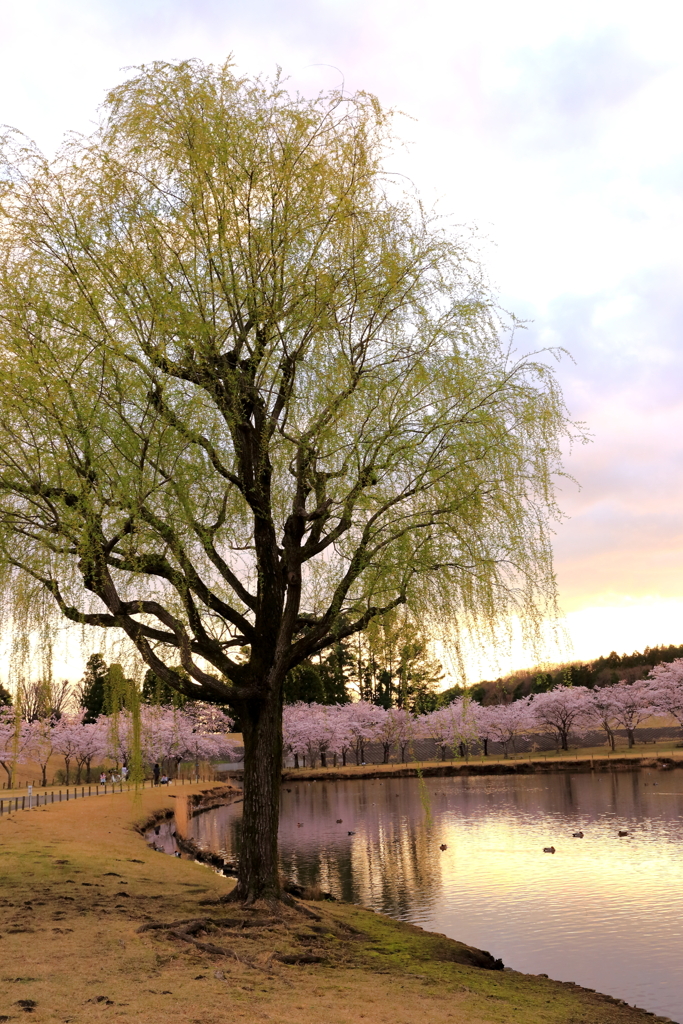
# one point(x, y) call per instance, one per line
point(386, 863)
point(398, 869)
point(392, 861)
point(217, 829)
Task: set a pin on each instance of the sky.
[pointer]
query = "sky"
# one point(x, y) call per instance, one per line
point(553, 130)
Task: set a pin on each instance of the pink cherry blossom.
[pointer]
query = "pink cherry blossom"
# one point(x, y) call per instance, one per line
point(561, 710)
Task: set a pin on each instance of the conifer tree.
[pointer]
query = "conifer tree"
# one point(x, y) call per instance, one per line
point(93, 688)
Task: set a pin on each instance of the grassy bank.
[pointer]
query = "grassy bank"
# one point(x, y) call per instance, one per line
point(78, 884)
point(583, 761)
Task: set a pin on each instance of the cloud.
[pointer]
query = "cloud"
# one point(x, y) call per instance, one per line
point(550, 127)
point(560, 96)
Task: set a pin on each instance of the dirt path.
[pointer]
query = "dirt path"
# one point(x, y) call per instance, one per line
point(78, 883)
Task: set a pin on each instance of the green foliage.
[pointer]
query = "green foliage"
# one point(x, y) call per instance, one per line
point(390, 664)
point(605, 670)
point(105, 690)
point(157, 691)
point(93, 688)
point(252, 397)
point(453, 692)
point(5, 697)
point(322, 682)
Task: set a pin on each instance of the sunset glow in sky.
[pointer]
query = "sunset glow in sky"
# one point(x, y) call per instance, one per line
point(555, 130)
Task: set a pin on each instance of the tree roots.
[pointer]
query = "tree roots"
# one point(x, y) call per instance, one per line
point(244, 927)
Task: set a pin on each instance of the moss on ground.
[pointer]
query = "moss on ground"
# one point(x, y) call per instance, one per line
point(78, 884)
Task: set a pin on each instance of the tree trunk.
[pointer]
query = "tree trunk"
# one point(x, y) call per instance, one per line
point(564, 738)
point(485, 744)
point(258, 874)
point(387, 749)
point(323, 759)
point(296, 760)
point(631, 738)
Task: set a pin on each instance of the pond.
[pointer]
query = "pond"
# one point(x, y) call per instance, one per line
point(603, 911)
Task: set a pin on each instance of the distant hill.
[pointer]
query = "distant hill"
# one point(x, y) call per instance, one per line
point(601, 672)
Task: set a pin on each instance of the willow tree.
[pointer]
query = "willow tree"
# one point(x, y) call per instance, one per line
point(252, 396)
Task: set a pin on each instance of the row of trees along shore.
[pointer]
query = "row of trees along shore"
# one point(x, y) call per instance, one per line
point(330, 734)
point(106, 716)
point(315, 732)
point(253, 395)
point(135, 739)
point(171, 729)
point(388, 664)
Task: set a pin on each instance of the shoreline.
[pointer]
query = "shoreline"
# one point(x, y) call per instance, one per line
point(123, 959)
point(445, 769)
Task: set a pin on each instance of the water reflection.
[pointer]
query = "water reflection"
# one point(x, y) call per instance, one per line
point(602, 911)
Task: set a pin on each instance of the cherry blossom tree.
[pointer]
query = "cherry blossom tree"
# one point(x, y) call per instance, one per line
point(67, 740)
point(484, 717)
point(437, 726)
point(507, 721)
point(14, 742)
point(197, 732)
point(91, 743)
point(385, 732)
point(41, 744)
point(602, 711)
point(632, 703)
point(666, 689)
point(363, 721)
point(344, 736)
point(560, 710)
point(405, 729)
point(294, 730)
point(464, 729)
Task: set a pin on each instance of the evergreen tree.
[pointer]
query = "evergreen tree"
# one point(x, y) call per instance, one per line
point(334, 668)
point(156, 691)
point(320, 682)
point(94, 688)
